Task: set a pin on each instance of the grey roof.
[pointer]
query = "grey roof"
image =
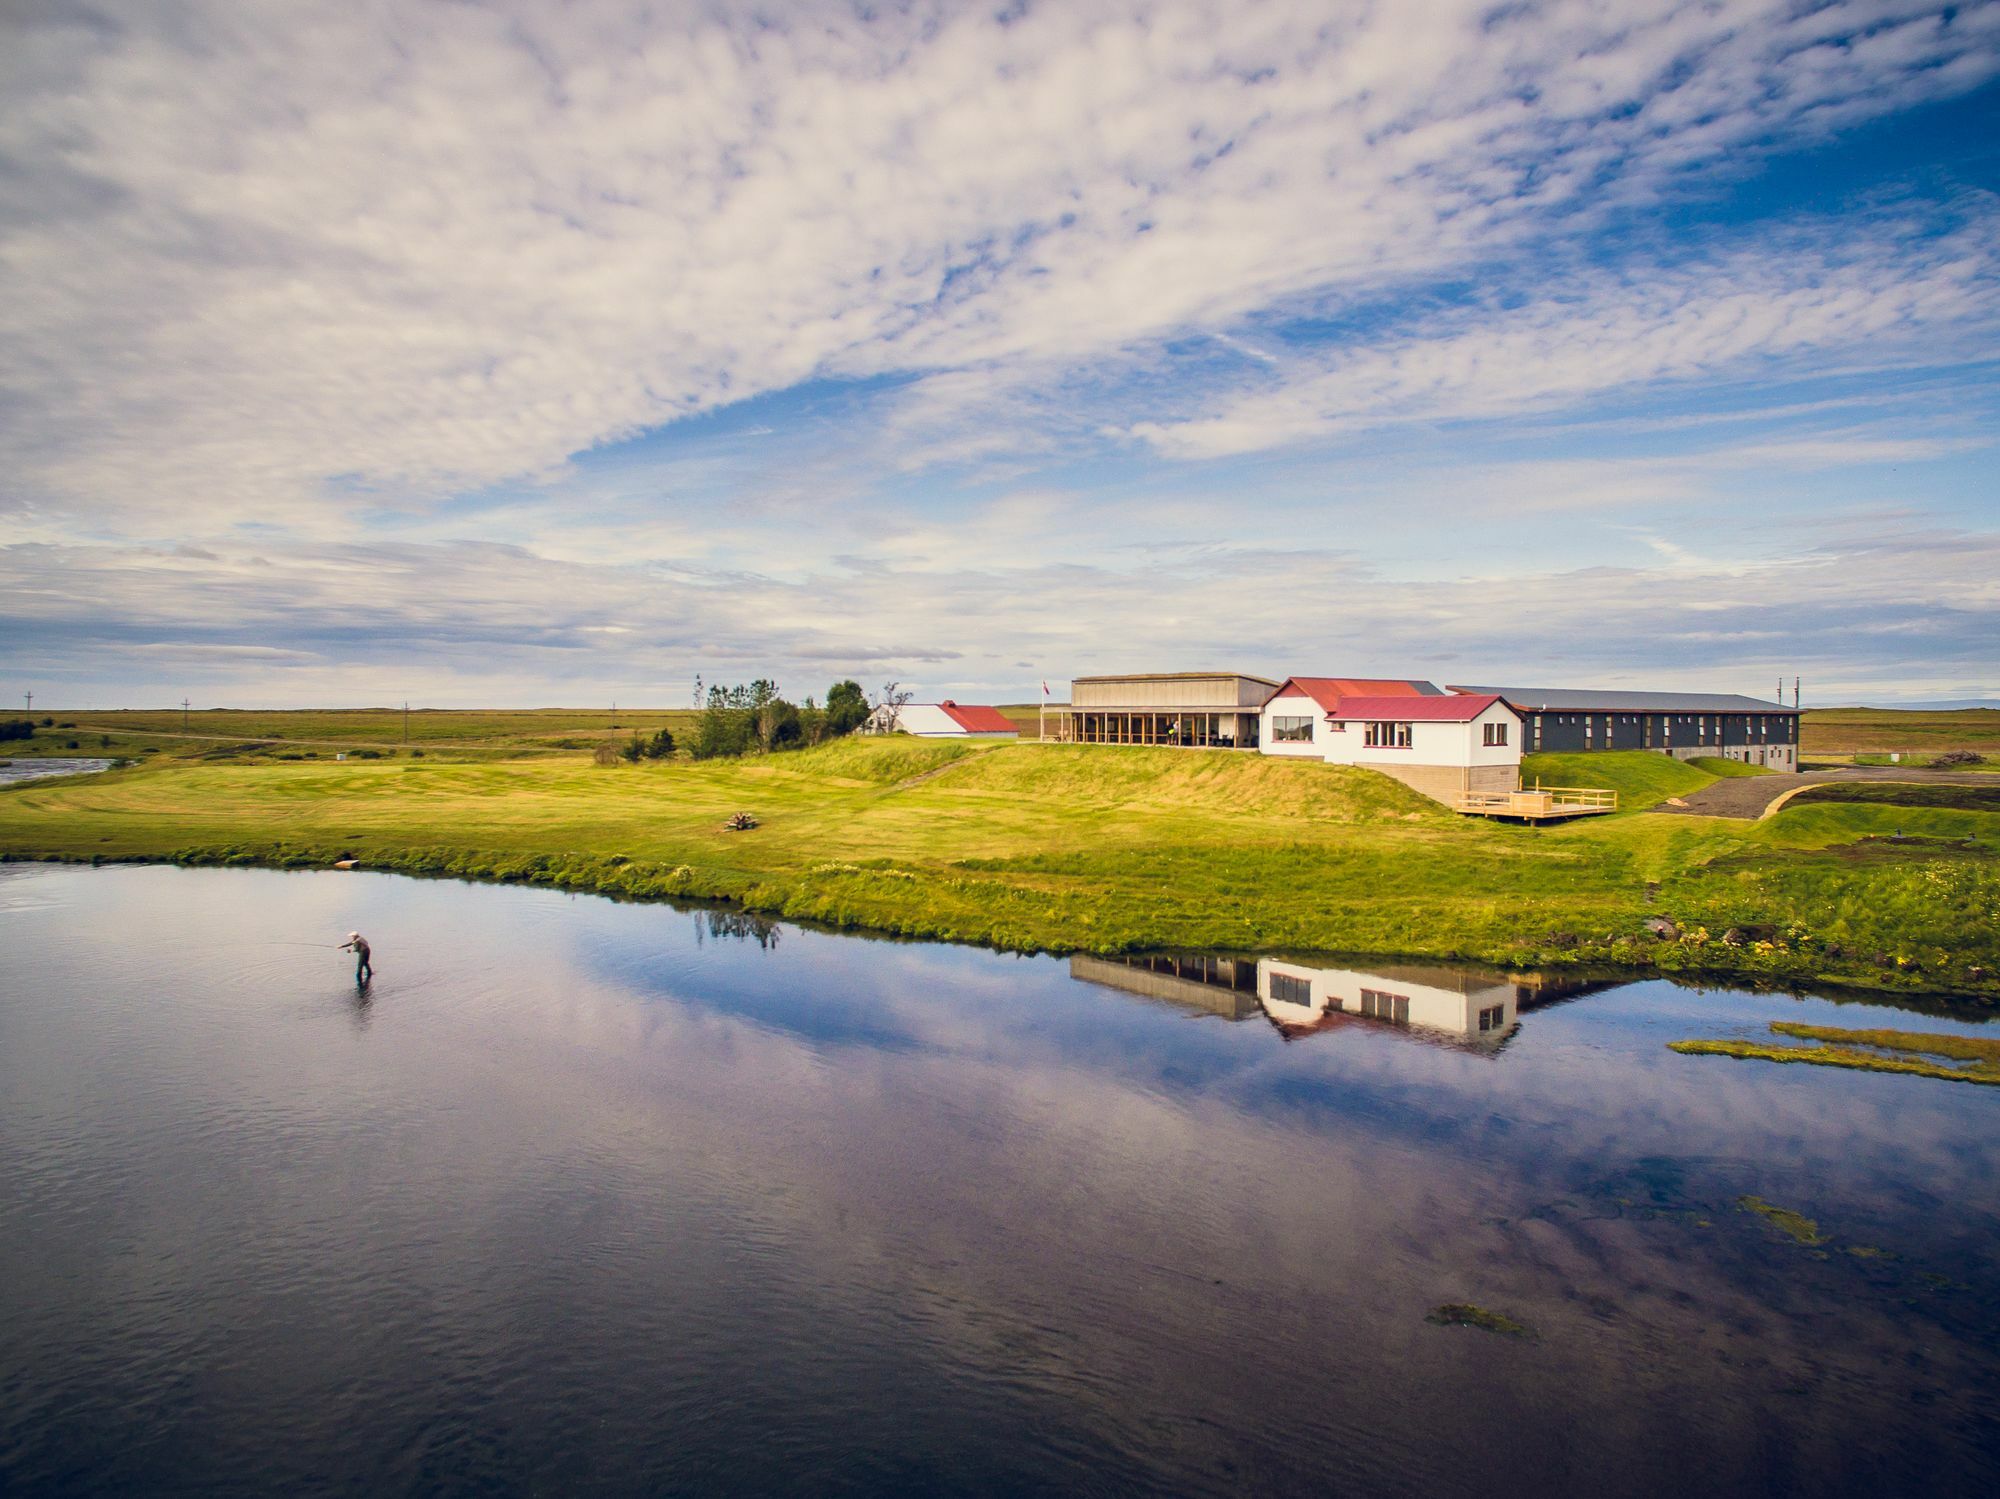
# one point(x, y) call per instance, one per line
point(1588, 700)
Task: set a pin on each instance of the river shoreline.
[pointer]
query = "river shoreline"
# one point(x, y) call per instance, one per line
point(686, 888)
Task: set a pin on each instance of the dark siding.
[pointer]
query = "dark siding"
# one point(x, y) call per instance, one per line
point(1711, 733)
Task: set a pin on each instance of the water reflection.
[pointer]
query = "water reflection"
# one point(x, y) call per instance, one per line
point(1475, 1009)
point(609, 1197)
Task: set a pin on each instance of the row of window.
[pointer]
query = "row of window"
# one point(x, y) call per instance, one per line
point(1374, 735)
point(1290, 989)
point(1380, 1005)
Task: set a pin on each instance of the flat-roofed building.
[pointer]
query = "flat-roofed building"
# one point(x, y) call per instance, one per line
point(1192, 708)
point(1686, 725)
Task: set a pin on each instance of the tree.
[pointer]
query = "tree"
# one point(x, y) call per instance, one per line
point(783, 724)
point(634, 750)
point(846, 708)
point(886, 717)
point(727, 725)
point(661, 745)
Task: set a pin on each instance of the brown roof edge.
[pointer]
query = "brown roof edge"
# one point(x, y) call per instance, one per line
point(1175, 676)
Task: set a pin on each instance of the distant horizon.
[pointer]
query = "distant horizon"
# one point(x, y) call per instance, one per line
point(536, 351)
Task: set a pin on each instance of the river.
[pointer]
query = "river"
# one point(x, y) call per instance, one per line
point(589, 1197)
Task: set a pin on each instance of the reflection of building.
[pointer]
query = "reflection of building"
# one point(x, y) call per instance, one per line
point(1222, 986)
point(1460, 1005)
point(1474, 1008)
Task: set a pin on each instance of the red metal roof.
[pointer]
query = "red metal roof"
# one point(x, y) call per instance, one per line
point(1460, 708)
point(978, 720)
point(1328, 691)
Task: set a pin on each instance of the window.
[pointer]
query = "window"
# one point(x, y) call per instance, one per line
point(1290, 989)
point(1387, 736)
point(1492, 1017)
point(1496, 734)
point(1394, 1008)
point(1286, 730)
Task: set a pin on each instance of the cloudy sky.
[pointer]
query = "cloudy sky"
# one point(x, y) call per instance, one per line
point(519, 352)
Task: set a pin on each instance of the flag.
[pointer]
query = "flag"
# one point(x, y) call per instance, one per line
point(1045, 689)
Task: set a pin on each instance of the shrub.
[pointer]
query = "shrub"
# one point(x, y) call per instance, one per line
point(17, 728)
point(661, 745)
point(1952, 758)
point(605, 754)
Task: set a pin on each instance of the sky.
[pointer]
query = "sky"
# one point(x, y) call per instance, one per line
point(524, 353)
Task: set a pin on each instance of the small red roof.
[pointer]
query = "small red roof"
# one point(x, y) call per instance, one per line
point(1460, 708)
point(1328, 691)
point(977, 720)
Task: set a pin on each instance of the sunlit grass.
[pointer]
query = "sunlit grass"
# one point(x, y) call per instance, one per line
point(1102, 849)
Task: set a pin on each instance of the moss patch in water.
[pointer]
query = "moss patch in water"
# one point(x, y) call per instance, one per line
point(1958, 1059)
point(1796, 1225)
point(1465, 1314)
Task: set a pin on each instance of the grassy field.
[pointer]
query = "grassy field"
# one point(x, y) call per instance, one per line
point(232, 734)
point(1086, 848)
point(1839, 733)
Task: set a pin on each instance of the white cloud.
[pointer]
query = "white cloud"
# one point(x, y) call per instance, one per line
point(267, 263)
point(1771, 312)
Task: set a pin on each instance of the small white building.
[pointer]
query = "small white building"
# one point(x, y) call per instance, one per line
point(1442, 744)
point(945, 720)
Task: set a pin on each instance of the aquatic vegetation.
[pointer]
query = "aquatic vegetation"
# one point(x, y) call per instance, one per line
point(1465, 1314)
point(1959, 1059)
point(1796, 1225)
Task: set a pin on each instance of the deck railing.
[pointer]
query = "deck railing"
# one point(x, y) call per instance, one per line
point(1538, 801)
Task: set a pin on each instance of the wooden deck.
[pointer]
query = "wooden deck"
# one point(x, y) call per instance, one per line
point(1541, 804)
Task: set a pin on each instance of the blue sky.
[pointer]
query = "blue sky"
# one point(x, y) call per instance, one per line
point(529, 353)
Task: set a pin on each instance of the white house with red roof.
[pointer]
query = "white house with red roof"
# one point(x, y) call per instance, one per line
point(946, 720)
point(1442, 744)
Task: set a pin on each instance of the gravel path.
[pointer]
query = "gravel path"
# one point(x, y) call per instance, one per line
point(1748, 796)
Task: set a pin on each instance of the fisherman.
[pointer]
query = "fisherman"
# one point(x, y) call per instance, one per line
point(363, 969)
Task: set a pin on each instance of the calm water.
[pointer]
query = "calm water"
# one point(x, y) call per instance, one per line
point(12, 771)
point(589, 1197)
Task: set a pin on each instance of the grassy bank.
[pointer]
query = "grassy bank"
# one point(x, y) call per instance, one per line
point(1071, 848)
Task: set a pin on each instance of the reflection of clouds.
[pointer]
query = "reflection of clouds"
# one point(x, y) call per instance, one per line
point(1144, 1236)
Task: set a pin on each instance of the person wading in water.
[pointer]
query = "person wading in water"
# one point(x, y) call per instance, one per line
point(363, 969)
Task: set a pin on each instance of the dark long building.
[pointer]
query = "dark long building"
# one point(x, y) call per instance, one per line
point(1686, 725)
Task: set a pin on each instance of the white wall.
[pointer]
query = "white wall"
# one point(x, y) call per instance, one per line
point(1296, 706)
point(929, 721)
point(1339, 989)
point(1454, 744)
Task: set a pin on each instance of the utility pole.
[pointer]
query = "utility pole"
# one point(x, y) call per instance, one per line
point(184, 715)
point(406, 720)
point(1795, 694)
point(31, 704)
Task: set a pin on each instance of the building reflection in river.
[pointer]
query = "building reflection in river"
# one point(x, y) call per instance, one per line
point(1475, 1009)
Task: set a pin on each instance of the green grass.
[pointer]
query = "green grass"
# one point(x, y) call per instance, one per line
point(1723, 769)
point(1641, 779)
point(1903, 794)
point(1068, 848)
point(232, 734)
